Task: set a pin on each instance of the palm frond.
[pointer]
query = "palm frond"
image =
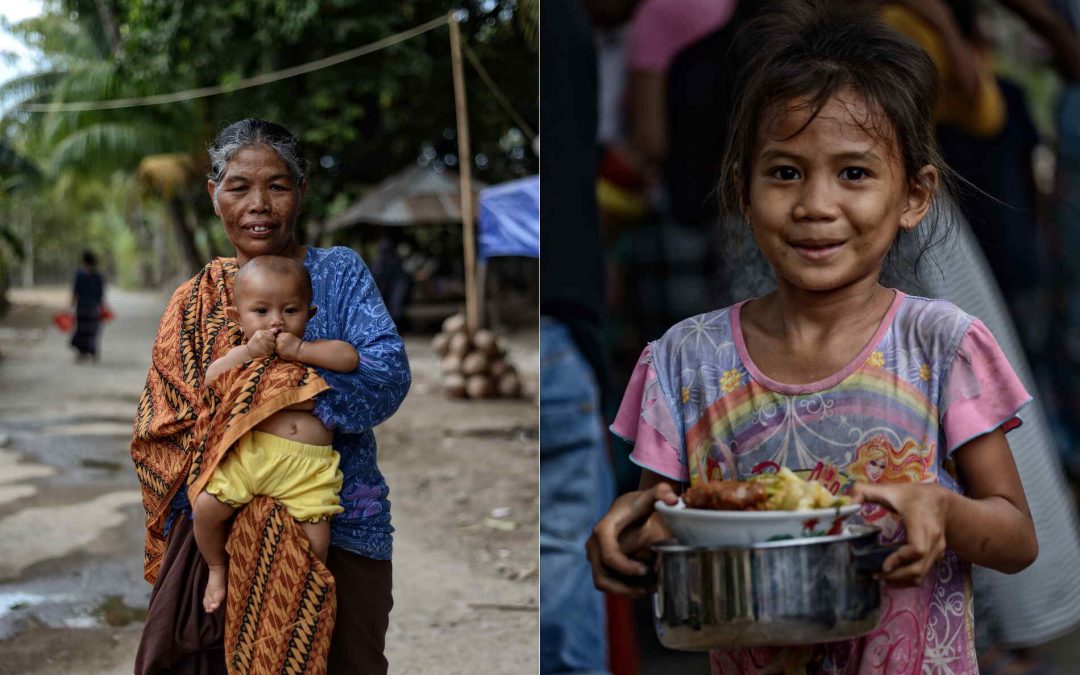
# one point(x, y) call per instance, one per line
point(109, 146)
point(29, 88)
point(12, 240)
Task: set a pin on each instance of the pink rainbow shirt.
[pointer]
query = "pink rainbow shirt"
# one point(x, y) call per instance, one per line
point(930, 379)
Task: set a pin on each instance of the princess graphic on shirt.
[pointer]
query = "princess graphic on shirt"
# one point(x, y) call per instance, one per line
point(878, 461)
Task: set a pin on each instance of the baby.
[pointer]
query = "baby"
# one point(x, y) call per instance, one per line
point(287, 456)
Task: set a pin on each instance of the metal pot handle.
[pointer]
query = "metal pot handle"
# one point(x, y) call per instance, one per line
point(869, 559)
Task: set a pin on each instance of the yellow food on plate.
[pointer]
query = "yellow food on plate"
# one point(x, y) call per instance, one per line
point(787, 492)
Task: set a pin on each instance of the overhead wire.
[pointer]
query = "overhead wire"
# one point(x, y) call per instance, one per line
point(254, 81)
point(267, 78)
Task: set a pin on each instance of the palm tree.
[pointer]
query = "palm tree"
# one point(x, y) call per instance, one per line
point(96, 143)
point(18, 175)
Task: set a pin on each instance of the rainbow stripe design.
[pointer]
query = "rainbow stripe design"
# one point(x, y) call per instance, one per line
point(753, 425)
point(877, 420)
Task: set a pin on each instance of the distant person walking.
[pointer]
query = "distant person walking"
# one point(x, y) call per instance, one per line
point(88, 299)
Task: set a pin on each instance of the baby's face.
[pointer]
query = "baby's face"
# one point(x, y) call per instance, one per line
point(272, 302)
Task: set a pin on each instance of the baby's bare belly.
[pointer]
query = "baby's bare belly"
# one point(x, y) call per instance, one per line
point(297, 425)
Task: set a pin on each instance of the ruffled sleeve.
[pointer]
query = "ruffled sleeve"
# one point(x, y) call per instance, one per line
point(982, 391)
point(645, 420)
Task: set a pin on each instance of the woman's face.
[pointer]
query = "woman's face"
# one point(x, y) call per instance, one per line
point(258, 202)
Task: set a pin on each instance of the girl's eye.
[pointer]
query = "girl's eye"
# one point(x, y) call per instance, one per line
point(785, 173)
point(291, 310)
point(260, 310)
point(854, 173)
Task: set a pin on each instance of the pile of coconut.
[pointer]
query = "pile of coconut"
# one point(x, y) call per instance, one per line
point(474, 366)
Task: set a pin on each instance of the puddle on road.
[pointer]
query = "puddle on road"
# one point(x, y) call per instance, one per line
point(99, 593)
point(13, 602)
point(103, 464)
point(44, 533)
point(14, 610)
point(115, 612)
point(12, 471)
point(13, 493)
point(81, 622)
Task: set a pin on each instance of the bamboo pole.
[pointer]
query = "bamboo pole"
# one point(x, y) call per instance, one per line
point(465, 178)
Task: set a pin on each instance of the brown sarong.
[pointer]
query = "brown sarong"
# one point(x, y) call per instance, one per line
point(280, 602)
point(179, 637)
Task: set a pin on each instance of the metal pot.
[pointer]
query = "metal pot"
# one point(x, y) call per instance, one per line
point(797, 591)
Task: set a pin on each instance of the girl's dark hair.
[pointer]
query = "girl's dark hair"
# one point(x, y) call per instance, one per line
point(251, 132)
point(89, 258)
point(811, 50)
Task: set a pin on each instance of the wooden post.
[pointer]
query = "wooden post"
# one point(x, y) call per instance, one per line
point(465, 173)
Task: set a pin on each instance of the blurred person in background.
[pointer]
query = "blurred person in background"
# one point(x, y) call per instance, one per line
point(394, 281)
point(661, 268)
point(88, 302)
point(998, 270)
point(1064, 347)
point(575, 472)
point(659, 30)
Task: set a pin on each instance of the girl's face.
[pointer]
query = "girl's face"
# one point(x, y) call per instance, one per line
point(825, 203)
point(258, 203)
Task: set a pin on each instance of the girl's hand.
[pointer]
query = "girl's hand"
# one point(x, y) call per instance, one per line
point(262, 343)
point(288, 346)
point(924, 510)
point(627, 530)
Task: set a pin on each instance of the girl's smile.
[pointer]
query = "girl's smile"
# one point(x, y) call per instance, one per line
point(816, 249)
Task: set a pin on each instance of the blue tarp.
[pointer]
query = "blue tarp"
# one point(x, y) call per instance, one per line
point(510, 219)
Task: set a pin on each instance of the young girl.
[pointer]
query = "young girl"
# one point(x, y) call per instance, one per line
point(833, 157)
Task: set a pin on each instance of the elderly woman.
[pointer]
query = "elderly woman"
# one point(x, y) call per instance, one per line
point(257, 185)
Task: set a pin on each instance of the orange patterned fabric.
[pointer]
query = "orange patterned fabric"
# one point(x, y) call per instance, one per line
point(240, 399)
point(280, 603)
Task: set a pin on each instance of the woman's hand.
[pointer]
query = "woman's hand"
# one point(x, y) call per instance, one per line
point(924, 510)
point(262, 343)
point(288, 346)
point(626, 531)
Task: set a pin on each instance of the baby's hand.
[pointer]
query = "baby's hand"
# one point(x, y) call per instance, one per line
point(262, 343)
point(288, 346)
point(924, 509)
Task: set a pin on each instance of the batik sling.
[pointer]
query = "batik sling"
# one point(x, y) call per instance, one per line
point(280, 603)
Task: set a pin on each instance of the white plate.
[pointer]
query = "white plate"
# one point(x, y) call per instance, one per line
point(705, 527)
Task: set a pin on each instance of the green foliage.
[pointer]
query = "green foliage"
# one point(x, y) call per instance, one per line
point(362, 120)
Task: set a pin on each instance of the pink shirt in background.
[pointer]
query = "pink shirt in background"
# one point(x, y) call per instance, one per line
point(660, 29)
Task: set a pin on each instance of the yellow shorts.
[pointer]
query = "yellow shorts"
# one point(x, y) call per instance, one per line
point(305, 478)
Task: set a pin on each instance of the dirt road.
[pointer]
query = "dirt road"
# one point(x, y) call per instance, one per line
point(463, 481)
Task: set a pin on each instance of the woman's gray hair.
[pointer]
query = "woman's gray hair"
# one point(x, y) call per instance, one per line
point(251, 132)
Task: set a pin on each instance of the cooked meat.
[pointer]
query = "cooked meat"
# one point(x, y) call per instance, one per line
point(726, 495)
